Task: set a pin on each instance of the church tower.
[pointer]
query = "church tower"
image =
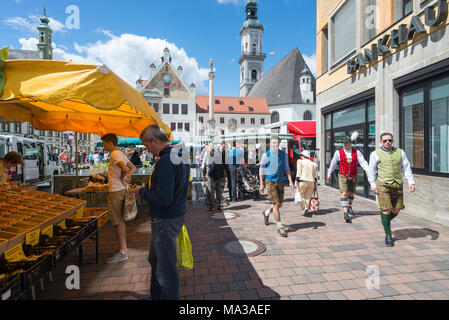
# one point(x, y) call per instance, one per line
point(44, 46)
point(252, 59)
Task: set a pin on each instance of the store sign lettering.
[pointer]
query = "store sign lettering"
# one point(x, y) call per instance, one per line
point(399, 36)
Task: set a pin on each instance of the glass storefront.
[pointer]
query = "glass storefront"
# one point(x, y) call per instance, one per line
point(425, 125)
point(354, 120)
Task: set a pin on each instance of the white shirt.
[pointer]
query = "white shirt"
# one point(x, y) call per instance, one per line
point(115, 172)
point(374, 160)
point(361, 160)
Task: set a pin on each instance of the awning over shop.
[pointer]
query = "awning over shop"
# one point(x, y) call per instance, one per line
point(66, 96)
point(303, 128)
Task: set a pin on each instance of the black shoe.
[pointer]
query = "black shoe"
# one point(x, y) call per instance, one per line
point(282, 232)
point(351, 212)
point(389, 242)
point(347, 219)
point(266, 218)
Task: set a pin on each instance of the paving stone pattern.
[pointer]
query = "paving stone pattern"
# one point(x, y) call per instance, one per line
point(322, 258)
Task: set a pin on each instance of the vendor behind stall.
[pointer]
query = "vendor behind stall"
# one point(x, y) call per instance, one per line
point(11, 160)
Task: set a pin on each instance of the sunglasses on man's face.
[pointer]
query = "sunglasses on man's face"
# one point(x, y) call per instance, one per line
point(389, 140)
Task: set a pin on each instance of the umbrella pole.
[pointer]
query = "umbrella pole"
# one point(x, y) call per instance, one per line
point(76, 158)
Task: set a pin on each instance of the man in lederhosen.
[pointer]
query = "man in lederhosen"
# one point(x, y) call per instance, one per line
point(388, 163)
point(349, 160)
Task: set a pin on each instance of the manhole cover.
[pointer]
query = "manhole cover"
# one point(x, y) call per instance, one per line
point(224, 215)
point(242, 248)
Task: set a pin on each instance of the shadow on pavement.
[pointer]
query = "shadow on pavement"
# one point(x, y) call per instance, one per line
point(325, 212)
point(299, 226)
point(241, 207)
point(404, 234)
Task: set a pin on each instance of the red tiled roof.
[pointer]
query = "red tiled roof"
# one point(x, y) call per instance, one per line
point(258, 105)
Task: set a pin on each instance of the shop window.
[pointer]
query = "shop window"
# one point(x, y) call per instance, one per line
point(439, 126)
point(343, 31)
point(413, 128)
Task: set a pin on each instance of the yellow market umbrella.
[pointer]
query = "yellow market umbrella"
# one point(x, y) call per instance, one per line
point(66, 96)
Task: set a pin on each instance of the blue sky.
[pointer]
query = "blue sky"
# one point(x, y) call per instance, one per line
point(130, 35)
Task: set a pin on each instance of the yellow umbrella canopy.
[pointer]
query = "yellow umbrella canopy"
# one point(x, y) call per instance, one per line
point(66, 96)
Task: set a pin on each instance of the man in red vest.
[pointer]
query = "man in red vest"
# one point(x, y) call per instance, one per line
point(347, 175)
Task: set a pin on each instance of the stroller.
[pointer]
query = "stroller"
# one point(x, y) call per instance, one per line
point(247, 185)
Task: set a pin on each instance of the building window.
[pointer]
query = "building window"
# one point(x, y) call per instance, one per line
point(407, 7)
point(222, 132)
point(222, 120)
point(166, 107)
point(343, 31)
point(254, 75)
point(307, 115)
point(275, 117)
point(242, 121)
point(201, 120)
point(231, 108)
point(217, 101)
point(325, 50)
point(425, 126)
point(180, 126)
point(241, 102)
point(253, 120)
point(5, 127)
point(173, 126)
point(18, 128)
point(175, 108)
point(156, 107)
point(251, 109)
point(185, 109)
point(262, 121)
point(166, 91)
point(369, 21)
point(187, 127)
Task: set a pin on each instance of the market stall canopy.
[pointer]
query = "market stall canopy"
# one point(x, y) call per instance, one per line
point(66, 96)
point(303, 128)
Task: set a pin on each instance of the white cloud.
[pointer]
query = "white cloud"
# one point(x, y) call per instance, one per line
point(130, 56)
point(31, 24)
point(311, 63)
point(232, 1)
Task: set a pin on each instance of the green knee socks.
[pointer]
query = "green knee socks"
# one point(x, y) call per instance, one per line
point(386, 222)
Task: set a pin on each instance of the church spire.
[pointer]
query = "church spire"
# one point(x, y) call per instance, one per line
point(45, 45)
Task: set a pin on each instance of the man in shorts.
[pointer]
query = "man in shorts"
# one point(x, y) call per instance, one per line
point(388, 163)
point(349, 160)
point(119, 171)
point(274, 167)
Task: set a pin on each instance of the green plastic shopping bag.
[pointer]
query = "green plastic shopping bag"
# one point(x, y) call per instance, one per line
point(184, 251)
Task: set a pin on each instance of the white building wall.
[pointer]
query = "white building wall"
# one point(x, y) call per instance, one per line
point(247, 127)
point(293, 112)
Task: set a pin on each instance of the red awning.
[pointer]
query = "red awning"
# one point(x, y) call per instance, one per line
point(303, 128)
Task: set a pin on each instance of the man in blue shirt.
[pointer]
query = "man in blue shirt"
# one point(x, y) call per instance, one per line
point(235, 159)
point(274, 167)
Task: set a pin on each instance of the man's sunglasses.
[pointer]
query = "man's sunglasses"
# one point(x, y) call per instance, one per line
point(389, 140)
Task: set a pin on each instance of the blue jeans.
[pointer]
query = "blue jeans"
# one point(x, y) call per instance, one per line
point(163, 260)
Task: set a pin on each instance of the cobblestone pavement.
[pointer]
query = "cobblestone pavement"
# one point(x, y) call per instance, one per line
point(322, 258)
